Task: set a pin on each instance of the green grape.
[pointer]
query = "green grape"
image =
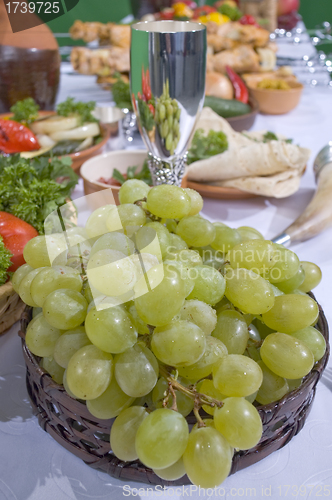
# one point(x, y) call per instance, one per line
point(56, 371)
point(214, 351)
point(171, 225)
point(131, 217)
point(140, 325)
point(178, 344)
point(208, 423)
point(313, 276)
point(111, 272)
point(42, 250)
point(25, 287)
point(96, 223)
point(237, 375)
point(251, 398)
point(124, 430)
point(69, 342)
point(226, 238)
point(294, 384)
point(114, 241)
point(65, 309)
point(207, 387)
point(180, 269)
point(184, 403)
point(248, 291)
point(291, 312)
point(190, 258)
point(52, 278)
point(133, 190)
point(89, 372)
point(263, 329)
point(136, 370)
point(208, 457)
point(285, 264)
point(143, 262)
point(252, 352)
point(196, 201)
point(273, 387)
point(111, 330)
point(200, 313)
point(288, 286)
point(36, 311)
point(157, 304)
point(196, 231)
point(19, 274)
point(153, 238)
point(286, 356)
point(173, 472)
point(175, 244)
point(253, 254)
point(209, 284)
point(239, 422)
point(111, 402)
point(249, 233)
point(224, 305)
point(41, 337)
point(254, 333)
point(232, 330)
point(168, 202)
point(276, 291)
point(313, 339)
point(65, 385)
point(162, 438)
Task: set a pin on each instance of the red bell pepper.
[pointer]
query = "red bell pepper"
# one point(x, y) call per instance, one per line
point(15, 137)
point(167, 14)
point(240, 89)
point(248, 19)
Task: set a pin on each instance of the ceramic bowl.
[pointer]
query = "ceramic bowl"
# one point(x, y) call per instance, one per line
point(277, 102)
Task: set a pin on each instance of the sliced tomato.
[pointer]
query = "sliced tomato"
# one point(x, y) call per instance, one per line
point(15, 233)
point(16, 138)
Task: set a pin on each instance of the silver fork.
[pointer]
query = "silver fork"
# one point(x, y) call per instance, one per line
point(327, 378)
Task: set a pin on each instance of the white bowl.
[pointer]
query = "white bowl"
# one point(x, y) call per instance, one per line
point(103, 166)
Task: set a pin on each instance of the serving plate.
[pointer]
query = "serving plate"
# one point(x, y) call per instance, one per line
point(81, 156)
point(219, 192)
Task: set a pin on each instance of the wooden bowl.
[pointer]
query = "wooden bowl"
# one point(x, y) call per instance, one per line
point(81, 156)
point(277, 102)
point(103, 165)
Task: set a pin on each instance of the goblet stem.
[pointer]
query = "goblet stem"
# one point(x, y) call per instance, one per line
point(167, 172)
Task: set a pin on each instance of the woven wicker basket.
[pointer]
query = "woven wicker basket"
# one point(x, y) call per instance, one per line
point(69, 422)
point(11, 307)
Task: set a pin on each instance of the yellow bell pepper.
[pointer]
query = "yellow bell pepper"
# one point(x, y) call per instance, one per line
point(214, 17)
point(182, 10)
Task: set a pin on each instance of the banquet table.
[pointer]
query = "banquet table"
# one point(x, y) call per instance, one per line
point(35, 467)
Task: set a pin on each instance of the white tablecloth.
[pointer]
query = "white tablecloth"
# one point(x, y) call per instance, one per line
point(34, 467)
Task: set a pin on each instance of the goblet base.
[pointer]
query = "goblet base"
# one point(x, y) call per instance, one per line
point(167, 172)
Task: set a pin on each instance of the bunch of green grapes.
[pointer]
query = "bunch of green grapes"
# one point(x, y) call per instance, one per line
point(151, 312)
point(167, 117)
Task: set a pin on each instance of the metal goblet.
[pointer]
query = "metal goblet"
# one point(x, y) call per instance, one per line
point(168, 65)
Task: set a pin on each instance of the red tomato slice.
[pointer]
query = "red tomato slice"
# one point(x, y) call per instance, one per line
point(15, 233)
point(15, 137)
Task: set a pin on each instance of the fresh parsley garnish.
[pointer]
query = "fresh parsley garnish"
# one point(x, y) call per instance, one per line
point(32, 189)
point(25, 111)
point(82, 109)
point(5, 262)
point(143, 175)
point(205, 146)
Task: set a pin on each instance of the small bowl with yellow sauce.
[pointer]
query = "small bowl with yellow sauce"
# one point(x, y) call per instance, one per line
point(276, 96)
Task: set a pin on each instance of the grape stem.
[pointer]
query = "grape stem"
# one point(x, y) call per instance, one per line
point(148, 214)
point(199, 398)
